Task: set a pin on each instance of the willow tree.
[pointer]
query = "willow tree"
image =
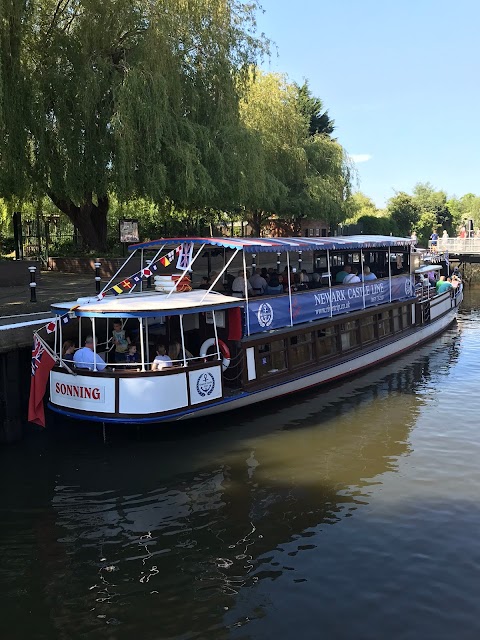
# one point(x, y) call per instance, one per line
point(298, 173)
point(135, 97)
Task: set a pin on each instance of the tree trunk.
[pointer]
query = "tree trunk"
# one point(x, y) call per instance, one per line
point(88, 217)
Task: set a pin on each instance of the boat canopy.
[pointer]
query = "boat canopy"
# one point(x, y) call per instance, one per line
point(265, 245)
point(428, 268)
point(148, 305)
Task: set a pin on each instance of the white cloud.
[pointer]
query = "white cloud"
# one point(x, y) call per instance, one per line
point(361, 157)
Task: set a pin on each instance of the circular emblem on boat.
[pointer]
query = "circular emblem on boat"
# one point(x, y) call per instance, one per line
point(265, 315)
point(408, 288)
point(205, 384)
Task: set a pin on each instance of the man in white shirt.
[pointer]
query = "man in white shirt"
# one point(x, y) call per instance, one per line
point(84, 358)
point(259, 284)
point(238, 285)
point(352, 277)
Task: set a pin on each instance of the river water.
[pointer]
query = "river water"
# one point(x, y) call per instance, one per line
point(345, 513)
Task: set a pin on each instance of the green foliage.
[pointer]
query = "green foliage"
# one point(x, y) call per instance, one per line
point(424, 227)
point(293, 174)
point(372, 224)
point(404, 213)
point(465, 208)
point(433, 202)
point(313, 111)
point(136, 98)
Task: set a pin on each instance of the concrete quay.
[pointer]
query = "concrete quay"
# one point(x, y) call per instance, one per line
point(18, 319)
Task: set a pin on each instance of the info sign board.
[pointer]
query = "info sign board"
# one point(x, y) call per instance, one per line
point(274, 313)
point(128, 230)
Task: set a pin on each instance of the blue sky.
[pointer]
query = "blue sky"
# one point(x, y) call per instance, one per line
point(400, 79)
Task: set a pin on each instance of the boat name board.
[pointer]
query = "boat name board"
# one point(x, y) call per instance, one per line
point(274, 313)
point(81, 392)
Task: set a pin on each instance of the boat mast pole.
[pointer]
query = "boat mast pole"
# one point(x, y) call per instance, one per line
point(94, 345)
point(329, 283)
point(220, 275)
point(389, 273)
point(116, 274)
point(246, 289)
point(182, 337)
point(142, 343)
point(363, 279)
point(289, 289)
point(189, 268)
point(141, 267)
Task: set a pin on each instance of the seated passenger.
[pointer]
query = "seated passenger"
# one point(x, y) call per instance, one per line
point(304, 280)
point(162, 361)
point(341, 275)
point(84, 358)
point(175, 353)
point(258, 282)
point(368, 275)
point(352, 277)
point(132, 355)
point(238, 285)
point(274, 285)
point(68, 350)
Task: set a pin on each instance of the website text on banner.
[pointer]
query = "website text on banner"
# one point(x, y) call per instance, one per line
point(274, 313)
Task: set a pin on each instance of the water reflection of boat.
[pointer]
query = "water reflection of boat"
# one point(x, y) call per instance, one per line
point(173, 529)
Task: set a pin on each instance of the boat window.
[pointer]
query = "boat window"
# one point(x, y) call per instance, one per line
point(367, 329)
point(397, 319)
point(301, 350)
point(406, 317)
point(384, 324)
point(272, 357)
point(327, 341)
point(349, 334)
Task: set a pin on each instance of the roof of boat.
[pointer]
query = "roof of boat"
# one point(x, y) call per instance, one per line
point(149, 304)
point(428, 268)
point(261, 245)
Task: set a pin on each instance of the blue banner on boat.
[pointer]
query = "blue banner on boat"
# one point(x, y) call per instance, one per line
point(269, 313)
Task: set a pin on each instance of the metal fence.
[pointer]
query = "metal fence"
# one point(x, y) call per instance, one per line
point(44, 236)
point(459, 245)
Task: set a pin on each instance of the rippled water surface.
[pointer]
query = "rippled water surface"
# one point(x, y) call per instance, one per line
point(347, 513)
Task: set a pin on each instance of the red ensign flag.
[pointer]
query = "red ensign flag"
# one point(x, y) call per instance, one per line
point(42, 363)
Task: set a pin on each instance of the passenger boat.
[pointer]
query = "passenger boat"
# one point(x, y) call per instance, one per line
point(241, 349)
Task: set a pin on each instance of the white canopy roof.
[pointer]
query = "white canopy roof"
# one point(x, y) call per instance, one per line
point(149, 304)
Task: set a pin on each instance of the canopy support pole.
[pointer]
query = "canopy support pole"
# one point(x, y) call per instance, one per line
point(246, 289)
point(182, 337)
point(142, 343)
point(141, 267)
point(390, 273)
point(60, 331)
point(94, 345)
point(363, 277)
point(216, 334)
point(289, 289)
point(329, 283)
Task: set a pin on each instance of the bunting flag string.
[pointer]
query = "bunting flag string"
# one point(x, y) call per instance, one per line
point(128, 284)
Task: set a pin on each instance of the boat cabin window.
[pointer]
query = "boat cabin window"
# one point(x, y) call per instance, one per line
point(272, 357)
point(301, 349)
point(327, 341)
point(350, 335)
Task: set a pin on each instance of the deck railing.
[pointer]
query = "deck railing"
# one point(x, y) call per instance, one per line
point(458, 245)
